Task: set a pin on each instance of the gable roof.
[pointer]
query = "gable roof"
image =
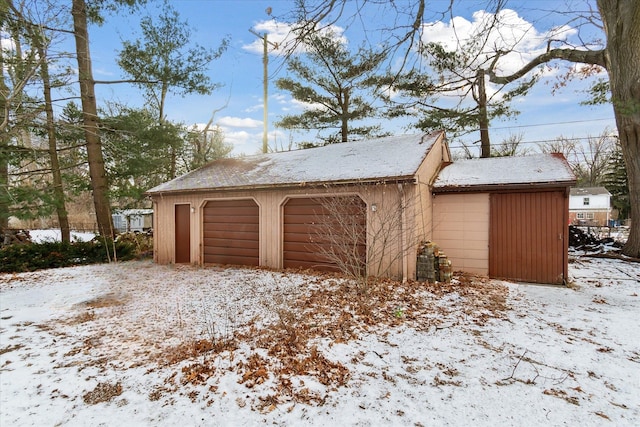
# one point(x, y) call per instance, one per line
point(380, 159)
point(589, 191)
point(499, 172)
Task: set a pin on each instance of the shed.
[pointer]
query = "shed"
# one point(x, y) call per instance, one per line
point(372, 198)
point(136, 220)
point(506, 217)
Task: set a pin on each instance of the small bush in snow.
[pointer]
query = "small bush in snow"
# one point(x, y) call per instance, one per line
point(38, 256)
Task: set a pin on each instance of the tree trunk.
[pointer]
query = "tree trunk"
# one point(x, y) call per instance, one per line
point(621, 21)
point(97, 172)
point(58, 190)
point(4, 153)
point(344, 128)
point(483, 118)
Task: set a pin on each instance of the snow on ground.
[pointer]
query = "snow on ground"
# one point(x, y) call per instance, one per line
point(51, 235)
point(140, 344)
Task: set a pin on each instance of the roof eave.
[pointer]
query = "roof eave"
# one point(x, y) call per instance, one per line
point(409, 179)
point(502, 187)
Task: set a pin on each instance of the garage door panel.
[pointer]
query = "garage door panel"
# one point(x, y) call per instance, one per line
point(227, 236)
point(244, 209)
point(314, 227)
point(226, 259)
point(235, 219)
point(231, 232)
point(313, 240)
point(305, 211)
point(228, 227)
point(224, 244)
point(235, 251)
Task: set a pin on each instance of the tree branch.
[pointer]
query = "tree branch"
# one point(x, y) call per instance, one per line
point(595, 57)
point(135, 81)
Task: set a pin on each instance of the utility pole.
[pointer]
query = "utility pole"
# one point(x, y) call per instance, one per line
point(265, 84)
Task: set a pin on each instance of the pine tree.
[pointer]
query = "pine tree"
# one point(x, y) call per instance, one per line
point(332, 82)
point(616, 181)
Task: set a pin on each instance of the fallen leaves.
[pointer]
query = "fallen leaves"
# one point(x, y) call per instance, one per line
point(333, 311)
point(281, 357)
point(103, 392)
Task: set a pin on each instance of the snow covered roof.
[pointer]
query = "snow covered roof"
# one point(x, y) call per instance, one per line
point(394, 157)
point(536, 169)
point(132, 212)
point(589, 191)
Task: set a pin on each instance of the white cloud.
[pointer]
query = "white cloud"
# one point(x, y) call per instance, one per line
point(281, 38)
point(239, 122)
point(507, 32)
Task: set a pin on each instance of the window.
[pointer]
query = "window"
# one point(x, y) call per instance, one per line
point(585, 201)
point(589, 215)
point(580, 215)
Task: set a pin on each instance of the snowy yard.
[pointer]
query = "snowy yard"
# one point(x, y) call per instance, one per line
point(141, 344)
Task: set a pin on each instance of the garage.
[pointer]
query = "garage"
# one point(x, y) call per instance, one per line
point(325, 233)
point(231, 232)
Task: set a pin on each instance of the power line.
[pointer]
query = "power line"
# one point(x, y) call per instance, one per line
point(552, 124)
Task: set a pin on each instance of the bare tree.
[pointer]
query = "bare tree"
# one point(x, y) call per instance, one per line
point(590, 160)
point(362, 250)
point(340, 234)
point(510, 146)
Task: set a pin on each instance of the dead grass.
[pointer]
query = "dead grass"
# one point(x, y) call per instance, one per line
point(11, 348)
point(107, 300)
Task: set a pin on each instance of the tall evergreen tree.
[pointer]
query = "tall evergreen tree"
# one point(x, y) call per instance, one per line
point(163, 63)
point(332, 83)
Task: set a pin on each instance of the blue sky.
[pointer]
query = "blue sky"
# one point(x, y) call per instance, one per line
point(543, 115)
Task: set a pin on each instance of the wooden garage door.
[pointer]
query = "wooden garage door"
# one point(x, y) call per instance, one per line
point(231, 232)
point(325, 233)
point(528, 236)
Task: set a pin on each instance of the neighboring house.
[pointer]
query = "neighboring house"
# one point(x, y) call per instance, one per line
point(590, 206)
point(274, 209)
point(132, 220)
point(505, 217)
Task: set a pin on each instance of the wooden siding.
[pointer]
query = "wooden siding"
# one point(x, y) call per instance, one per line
point(427, 172)
point(320, 231)
point(230, 232)
point(528, 236)
point(461, 230)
